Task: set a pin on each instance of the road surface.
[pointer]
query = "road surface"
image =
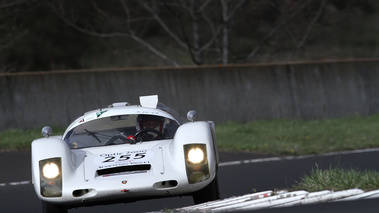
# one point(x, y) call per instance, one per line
point(238, 175)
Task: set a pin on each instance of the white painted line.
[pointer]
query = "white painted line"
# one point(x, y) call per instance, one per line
point(359, 151)
point(260, 160)
point(16, 183)
point(20, 183)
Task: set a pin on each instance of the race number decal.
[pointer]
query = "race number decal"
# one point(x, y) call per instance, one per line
point(125, 158)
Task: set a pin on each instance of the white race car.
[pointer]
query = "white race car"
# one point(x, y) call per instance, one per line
point(125, 153)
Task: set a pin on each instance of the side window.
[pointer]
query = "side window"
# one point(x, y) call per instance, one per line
point(68, 135)
point(170, 129)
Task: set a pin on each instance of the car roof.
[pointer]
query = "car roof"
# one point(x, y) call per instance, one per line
point(123, 108)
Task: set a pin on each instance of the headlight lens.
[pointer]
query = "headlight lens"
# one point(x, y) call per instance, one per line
point(50, 170)
point(51, 177)
point(196, 159)
point(195, 155)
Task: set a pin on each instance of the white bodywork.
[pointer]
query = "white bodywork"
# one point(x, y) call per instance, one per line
point(167, 176)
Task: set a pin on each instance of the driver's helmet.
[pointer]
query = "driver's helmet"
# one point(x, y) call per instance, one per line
point(150, 122)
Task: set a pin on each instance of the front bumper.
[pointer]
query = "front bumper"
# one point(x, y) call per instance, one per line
point(84, 186)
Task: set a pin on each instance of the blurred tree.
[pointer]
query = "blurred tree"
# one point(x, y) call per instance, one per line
point(10, 29)
point(193, 25)
point(34, 38)
point(118, 33)
point(203, 28)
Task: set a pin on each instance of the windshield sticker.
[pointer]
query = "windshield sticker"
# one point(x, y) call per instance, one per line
point(125, 158)
point(98, 114)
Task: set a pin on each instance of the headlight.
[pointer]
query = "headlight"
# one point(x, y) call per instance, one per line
point(195, 155)
point(50, 170)
point(51, 177)
point(196, 159)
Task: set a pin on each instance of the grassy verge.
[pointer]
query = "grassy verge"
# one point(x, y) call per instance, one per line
point(278, 137)
point(297, 137)
point(15, 139)
point(338, 179)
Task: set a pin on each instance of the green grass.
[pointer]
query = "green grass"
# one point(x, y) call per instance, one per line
point(278, 137)
point(15, 139)
point(297, 137)
point(338, 179)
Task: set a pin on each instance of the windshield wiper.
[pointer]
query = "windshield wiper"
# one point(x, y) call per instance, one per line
point(93, 134)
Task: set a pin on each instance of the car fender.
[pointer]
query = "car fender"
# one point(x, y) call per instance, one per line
point(46, 148)
point(199, 132)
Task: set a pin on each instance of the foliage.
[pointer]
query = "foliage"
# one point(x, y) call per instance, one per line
point(338, 179)
point(35, 37)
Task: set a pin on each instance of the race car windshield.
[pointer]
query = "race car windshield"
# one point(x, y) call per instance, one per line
point(121, 129)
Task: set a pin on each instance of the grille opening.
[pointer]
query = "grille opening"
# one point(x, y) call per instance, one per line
point(80, 192)
point(165, 184)
point(142, 167)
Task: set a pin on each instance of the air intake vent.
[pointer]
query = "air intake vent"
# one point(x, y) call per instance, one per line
point(142, 167)
point(120, 104)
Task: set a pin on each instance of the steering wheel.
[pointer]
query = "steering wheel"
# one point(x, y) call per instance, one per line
point(145, 131)
point(113, 139)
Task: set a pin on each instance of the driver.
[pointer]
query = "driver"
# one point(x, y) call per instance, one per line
point(152, 122)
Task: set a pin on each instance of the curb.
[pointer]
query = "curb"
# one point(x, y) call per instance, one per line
point(271, 199)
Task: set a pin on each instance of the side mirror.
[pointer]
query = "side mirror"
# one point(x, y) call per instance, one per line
point(47, 131)
point(191, 115)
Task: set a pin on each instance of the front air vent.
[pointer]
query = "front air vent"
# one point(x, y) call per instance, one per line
point(165, 184)
point(84, 192)
point(121, 169)
point(80, 192)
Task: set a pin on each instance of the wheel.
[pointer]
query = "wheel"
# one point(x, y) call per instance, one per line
point(209, 193)
point(52, 208)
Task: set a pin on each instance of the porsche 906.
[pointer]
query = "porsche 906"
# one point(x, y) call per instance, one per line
point(124, 153)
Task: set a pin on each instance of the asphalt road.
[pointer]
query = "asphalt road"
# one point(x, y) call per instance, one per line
point(240, 178)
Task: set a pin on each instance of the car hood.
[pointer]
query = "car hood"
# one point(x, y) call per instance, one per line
point(106, 161)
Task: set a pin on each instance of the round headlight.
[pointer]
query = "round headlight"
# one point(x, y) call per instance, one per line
point(50, 170)
point(195, 155)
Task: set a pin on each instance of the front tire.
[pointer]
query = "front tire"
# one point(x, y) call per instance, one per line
point(209, 193)
point(52, 208)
